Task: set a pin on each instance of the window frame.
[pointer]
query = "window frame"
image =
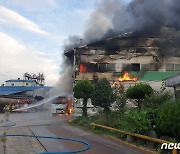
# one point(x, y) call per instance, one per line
point(167, 69)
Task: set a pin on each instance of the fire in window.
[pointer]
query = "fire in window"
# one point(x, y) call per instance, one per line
point(83, 68)
point(88, 67)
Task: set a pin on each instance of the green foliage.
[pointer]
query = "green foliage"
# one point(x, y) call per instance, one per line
point(3, 138)
point(83, 89)
point(168, 119)
point(120, 101)
point(120, 98)
point(156, 99)
point(81, 121)
point(103, 95)
point(112, 119)
point(138, 92)
point(138, 122)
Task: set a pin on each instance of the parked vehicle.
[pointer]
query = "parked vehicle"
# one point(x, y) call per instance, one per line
point(62, 105)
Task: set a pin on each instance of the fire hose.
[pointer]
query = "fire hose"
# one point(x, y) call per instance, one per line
point(49, 137)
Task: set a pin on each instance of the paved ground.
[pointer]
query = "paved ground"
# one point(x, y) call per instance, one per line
point(98, 143)
point(44, 123)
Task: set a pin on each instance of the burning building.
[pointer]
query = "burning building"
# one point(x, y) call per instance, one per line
point(126, 57)
point(149, 50)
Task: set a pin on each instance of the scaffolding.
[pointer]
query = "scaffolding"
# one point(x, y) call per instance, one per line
point(39, 78)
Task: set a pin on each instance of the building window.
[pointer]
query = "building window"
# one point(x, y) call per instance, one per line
point(169, 67)
point(92, 67)
point(141, 50)
point(88, 67)
point(135, 67)
point(177, 67)
point(145, 67)
point(102, 67)
point(126, 67)
point(82, 68)
point(153, 67)
point(110, 67)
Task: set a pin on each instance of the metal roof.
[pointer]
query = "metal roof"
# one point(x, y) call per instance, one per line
point(20, 81)
point(8, 90)
point(173, 81)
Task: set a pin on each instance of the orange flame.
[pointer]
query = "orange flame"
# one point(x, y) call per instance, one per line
point(83, 68)
point(70, 111)
point(67, 113)
point(126, 77)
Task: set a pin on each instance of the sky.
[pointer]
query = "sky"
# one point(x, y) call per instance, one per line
point(32, 34)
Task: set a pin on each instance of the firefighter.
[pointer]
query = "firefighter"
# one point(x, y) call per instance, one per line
point(6, 112)
point(13, 107)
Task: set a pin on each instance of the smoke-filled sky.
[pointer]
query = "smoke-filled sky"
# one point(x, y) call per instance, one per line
point(33, 32)
point(142, 17)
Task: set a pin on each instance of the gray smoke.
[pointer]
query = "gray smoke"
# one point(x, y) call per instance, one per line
point(64, 85)
point(73, 41)
point(143, 17)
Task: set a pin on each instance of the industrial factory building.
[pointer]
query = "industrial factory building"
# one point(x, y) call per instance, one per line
point(23, 91)
point(127, 59)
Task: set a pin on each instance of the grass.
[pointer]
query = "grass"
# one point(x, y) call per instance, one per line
point(85, 123)
point(112, 120)
point(3, 139)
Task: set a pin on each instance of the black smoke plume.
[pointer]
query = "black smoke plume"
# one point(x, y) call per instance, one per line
point(145, 18)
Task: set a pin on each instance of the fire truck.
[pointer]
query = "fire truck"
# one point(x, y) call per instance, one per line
point(62, 105)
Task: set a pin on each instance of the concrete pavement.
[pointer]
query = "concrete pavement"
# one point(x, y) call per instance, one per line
point(99, 144)
point(43, 123)
point(19, 145)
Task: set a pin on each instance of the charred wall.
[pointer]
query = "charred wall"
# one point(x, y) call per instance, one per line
point(127, 52)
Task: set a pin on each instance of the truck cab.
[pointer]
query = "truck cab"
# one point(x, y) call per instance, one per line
point(62, 105)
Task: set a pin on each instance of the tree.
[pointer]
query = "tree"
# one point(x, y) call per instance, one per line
point(156, 99)
point(120, 101)
point(83, 89)
point(120, 97)
point(103, 95)
point(138, 92)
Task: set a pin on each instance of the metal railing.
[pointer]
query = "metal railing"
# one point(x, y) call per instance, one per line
point(174, 151)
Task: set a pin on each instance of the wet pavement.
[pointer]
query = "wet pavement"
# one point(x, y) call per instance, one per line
point(43, 123)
